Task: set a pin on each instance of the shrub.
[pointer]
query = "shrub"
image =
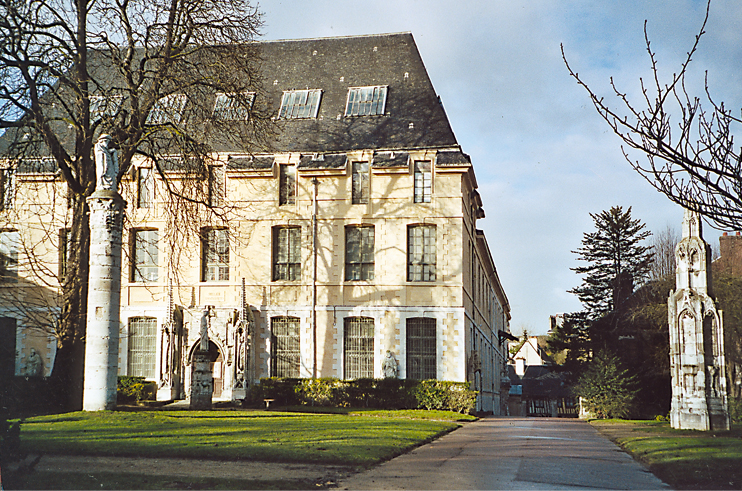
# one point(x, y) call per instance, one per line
point(282, 390)
point(134, 389)
point(317, 392)
point(606, 389)
point(735, 410)
point(451, 396)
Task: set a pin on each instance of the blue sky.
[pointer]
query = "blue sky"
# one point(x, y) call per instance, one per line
point(544, 160)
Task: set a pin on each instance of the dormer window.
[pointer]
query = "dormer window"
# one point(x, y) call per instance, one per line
point(299, 104)
point(233, 107)
point(366, 101)
point(168, 109)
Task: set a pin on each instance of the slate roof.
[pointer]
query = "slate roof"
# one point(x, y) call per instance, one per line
point(413, 118)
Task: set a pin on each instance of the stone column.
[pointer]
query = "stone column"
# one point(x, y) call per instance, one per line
point(104, 298)
point(104, 284)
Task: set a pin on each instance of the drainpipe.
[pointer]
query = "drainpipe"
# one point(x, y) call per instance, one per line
point(314, 279)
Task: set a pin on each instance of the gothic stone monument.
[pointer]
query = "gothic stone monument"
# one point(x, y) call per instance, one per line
point(699, 393)
point(104, 288)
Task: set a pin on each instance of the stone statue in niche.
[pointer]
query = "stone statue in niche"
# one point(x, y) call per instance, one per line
point(390, 365)
point(106, 164)
point(34, 365)
point(204, 332)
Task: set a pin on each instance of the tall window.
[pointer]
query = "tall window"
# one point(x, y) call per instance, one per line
point(216, 183)
point(144, 256)
point(286, 184)
point(421, 253)
point(358, 348)
point(360, 183)
point(421, 340)
point(423, 181)
point(9, 246)
point(7, 188)
point(65, 236)
point(359, 253)
point(364, 101)
point(142, 347)
point(231, 107)
point(285, 344)
point(103, 106)
point(300, 104)
point(168, 109)
point(145, 187)
point(215, 254)
point(286, 253)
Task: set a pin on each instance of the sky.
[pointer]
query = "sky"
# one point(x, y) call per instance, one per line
point(543, 158)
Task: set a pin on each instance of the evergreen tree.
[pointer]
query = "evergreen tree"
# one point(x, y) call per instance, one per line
point(617, 261)
point(606, 389)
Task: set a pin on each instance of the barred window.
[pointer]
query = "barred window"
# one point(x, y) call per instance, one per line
point(297, 104)
point(421, 341)
point(285, 347)
point(215, 255)
point(142, 347)
point(7, 189)
point(360, 183)
point(286, 253)
point(144, 255)
point(423, 181)
point(358, 348)
point(233, 107)
point(364, 101)
point(9, 247)
point(286, 184)
point(64, 246)
point(145, 187)
point(421, 253)
point(359, 253)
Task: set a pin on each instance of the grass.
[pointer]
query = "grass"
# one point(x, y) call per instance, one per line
point(354, 438)
point(685, 459)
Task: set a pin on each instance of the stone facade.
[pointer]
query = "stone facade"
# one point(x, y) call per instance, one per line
point(292, 295)
point(697, 367)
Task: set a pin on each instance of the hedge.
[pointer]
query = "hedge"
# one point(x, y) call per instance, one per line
point(134, 389)
point(386, 393)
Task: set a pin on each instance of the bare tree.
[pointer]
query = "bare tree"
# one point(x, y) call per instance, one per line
point(145, 72)
point(663, 245)
point(693, 161)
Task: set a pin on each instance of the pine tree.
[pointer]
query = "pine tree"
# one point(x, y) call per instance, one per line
point(617, 261)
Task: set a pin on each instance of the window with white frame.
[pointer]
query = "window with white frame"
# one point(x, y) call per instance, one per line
point(358, 348)
point(286, 184)
point(215, 254)
point(104, 106)
point(285, 347)
point(359, 183)
point(421, 252)
point(286, 253)
point(233, 107)
point(423, 181)
point(142, 347)
point(297, 104)
point(168, 109)
point(144, 262)
point(145, 187)
point(359, 253)
point(421, 345)
point(366, 101)
point(10, 244)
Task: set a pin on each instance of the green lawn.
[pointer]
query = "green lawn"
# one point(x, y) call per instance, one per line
point(685, 459)
point(354, 438)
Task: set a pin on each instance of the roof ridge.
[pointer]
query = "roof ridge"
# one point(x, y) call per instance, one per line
point(324, 38)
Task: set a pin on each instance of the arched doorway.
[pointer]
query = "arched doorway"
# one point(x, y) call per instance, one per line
point(217, 367)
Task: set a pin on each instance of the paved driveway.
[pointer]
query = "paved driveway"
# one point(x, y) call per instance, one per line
point(512, 453)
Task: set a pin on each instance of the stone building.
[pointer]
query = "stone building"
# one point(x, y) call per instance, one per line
point(355, 240)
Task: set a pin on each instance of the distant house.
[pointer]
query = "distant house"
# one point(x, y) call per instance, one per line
point(536, 389)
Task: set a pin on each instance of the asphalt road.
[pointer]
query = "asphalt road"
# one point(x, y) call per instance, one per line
point(512, 453)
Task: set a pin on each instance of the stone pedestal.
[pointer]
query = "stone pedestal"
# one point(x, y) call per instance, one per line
point(202, 381)
point(104, 294)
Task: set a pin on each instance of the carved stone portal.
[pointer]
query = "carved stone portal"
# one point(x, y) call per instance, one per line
point(699, 393)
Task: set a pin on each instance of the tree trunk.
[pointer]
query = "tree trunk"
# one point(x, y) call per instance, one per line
point(67, 376)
